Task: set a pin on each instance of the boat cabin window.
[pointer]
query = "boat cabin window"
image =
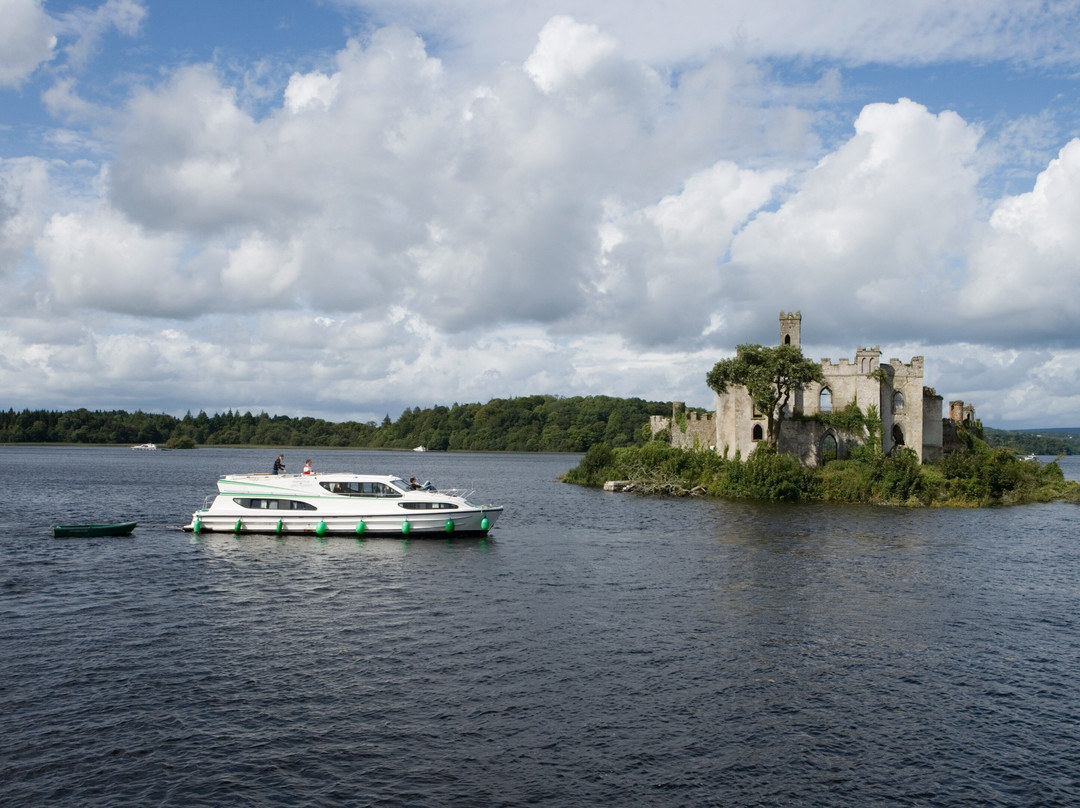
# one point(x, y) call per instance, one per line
point(360, 489)
point(273, 504)
point(426, 506)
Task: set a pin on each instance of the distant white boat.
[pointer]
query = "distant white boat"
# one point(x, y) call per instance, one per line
point(420, 448)
point(145, 447)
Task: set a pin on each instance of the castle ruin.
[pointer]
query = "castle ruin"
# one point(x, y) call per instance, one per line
point(910, 413)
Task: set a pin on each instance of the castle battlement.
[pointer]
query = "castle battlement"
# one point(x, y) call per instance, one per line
point(843, 366)
point(915, 366)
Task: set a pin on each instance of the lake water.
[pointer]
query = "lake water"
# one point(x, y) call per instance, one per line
point(597, 649)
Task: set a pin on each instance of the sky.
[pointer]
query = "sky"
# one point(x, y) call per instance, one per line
point(342, 209)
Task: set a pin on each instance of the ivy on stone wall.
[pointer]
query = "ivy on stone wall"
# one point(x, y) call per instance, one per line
point(849, 420)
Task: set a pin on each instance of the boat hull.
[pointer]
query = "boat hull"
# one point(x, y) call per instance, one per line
point(87, 531)
point(285, 523)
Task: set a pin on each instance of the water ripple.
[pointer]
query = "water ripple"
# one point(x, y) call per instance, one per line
point(597, 650)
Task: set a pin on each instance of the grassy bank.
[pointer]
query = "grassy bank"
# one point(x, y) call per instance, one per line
point(977, 477)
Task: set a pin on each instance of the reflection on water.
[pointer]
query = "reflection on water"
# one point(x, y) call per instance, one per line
point(597, 649)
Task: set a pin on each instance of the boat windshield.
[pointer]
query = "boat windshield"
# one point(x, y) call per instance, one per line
point(359, 489)
point(399, 484)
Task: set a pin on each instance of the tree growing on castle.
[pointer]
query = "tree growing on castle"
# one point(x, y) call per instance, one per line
point(770, 375)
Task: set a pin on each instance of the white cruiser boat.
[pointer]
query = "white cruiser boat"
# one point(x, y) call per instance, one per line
point(338, 503)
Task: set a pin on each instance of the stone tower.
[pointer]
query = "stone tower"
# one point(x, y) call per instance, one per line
point(791, 328)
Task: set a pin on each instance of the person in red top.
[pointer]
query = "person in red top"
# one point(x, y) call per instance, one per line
point(307, 467)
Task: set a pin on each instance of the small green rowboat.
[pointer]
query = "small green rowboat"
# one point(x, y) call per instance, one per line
point(85, 531)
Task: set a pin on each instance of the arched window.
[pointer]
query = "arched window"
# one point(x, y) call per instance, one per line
point(758, 432)
point(825, 400)
point(897, 402)
point(828, 448)
point(897, 435)
point(787, 339)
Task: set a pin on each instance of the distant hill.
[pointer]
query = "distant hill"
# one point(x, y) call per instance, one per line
point(1050, 441)
point(1054, 430)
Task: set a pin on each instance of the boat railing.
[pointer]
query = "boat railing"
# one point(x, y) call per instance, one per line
point(463, 493)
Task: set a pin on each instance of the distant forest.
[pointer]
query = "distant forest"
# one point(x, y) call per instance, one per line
point(527, 424)
point(1036, 441)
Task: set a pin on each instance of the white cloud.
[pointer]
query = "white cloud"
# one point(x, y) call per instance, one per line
point(261, 271)
point(671, 31)
point(1025, 387)
point(567, 53)
point(392, 229)
point(100, 260)
point(27, 40)
point(873, 231)
point(22, 186)
point(181, 150)
point(310, 88)
point(89, 25)
point(1026, 266)
point(29, 36)
point(393, 185)
point(63, 101)
point(661, 279)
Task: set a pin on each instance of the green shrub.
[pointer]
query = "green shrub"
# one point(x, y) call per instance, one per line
point(896, 477)
point(972, 477)
point(594, 467)
point(767, 475)
point(844, 481)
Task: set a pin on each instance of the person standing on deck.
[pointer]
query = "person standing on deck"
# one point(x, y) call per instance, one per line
point(279, 464)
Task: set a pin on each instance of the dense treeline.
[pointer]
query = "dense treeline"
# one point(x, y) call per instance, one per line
point(975, 476)
point(1052, 442)
point(526, 424)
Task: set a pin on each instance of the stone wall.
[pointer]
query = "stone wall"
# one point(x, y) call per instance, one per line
point(933, 427)
point(688, 430)
point(904, 415)
point(804, 439)
point(738, 428)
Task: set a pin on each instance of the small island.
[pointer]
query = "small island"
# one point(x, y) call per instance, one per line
point(857, 431)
